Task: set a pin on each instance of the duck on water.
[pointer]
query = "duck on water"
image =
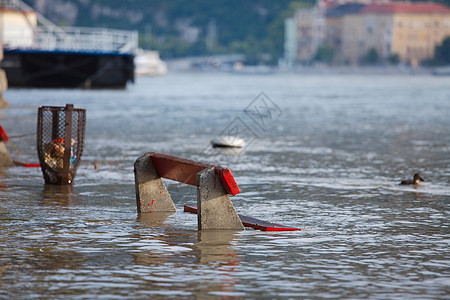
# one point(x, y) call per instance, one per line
point(414, 181)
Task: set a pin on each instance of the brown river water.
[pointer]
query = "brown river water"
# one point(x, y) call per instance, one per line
point(325, 152)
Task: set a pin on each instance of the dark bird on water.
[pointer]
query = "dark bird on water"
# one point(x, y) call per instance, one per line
point(414, 181)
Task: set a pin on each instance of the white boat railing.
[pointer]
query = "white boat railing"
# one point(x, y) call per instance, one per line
point(49, 37)
point(77, 39)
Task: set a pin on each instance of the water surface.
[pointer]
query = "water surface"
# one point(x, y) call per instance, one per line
point(328, 161)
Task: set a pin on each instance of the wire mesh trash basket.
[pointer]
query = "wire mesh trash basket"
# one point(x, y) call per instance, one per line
point(60, 140)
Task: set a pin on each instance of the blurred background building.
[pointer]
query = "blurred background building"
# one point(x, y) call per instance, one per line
point(360, 32)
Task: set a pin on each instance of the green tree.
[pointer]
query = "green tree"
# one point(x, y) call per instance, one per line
point(442, 53)
point(394, 59)
point(325, 54)
point(250, 48)
point(371, 57)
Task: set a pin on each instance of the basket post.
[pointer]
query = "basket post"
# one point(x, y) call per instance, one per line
point(67, 144)
point(55, 124)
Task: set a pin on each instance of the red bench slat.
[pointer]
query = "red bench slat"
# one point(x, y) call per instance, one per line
point(185, 171)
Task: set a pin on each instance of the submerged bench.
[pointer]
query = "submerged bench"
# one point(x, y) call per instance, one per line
point(214, 184)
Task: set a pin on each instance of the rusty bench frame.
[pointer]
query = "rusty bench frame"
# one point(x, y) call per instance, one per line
point(214, 184)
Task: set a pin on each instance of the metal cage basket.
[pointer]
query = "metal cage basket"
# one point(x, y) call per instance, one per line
point(60, 140)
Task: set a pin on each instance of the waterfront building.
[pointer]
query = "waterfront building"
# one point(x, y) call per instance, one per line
point(406, 32)
point(409, 30)
point(305, 32)
point(338, 24)
point(290, 42)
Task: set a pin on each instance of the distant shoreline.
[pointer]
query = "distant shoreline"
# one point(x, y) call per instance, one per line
point(311, 70)
point(372, 70)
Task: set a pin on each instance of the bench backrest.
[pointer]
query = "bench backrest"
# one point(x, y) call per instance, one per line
point(185, 171)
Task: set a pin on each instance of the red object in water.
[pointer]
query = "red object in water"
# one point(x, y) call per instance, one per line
point(32, 165)
point(26, 165)
point(3, 136)
point(252, 222)
point(227, 180)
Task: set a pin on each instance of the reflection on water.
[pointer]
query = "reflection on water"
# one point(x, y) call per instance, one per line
point(154, 219)
point(215, 246)
point(57, 195)
point(330, 164)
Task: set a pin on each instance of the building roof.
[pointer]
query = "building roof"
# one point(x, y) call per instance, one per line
point(407, 7)
point(345, 9)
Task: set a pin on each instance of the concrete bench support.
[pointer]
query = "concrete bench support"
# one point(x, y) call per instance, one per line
point(151, 192)
point(214, 183)
point(215, 210)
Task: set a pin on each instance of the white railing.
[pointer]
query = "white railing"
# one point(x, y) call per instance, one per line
point(77, 39)
point(87, 39)
point(49, 37)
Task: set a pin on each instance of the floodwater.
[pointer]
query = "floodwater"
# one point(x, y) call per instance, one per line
point(324, 153)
